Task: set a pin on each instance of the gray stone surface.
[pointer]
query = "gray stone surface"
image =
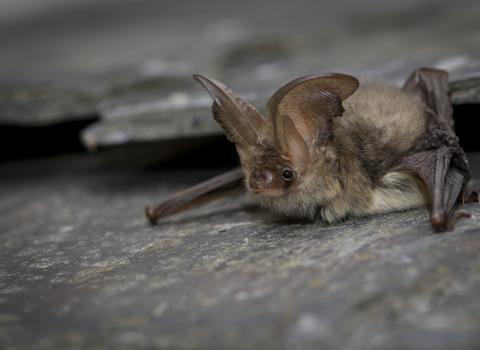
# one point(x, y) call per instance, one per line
point(188, 114)
point(32, 101)
point(80, 268)
point(84, 36)
point(129, 62)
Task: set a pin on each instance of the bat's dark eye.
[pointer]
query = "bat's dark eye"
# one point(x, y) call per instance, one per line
point(287, 174)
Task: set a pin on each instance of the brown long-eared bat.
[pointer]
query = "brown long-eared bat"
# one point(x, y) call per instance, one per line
point(331, 147)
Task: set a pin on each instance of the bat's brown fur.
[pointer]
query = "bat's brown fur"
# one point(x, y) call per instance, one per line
point(379, 125)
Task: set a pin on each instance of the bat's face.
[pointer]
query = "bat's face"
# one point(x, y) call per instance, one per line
point(280, 154)
point(269, 173)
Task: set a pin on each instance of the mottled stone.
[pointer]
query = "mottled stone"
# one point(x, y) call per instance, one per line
point(38, 102)
point(81, 268)
point(159, 101)
point(180, 115)
point(64, 62)
point(188, 114)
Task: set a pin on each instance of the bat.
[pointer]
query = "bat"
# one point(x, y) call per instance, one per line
point(331, 148)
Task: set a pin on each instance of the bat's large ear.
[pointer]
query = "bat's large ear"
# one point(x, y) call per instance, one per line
point(242, 122)
point(311, 102)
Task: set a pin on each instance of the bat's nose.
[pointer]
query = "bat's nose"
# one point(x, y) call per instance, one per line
point(260, 179)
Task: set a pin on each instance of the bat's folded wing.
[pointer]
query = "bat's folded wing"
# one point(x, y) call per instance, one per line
point(438, 159)
point(443, 182)
point(196, 195)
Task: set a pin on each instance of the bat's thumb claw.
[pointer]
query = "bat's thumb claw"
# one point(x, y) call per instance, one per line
point(150, 214)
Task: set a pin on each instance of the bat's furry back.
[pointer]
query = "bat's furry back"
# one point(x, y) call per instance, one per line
point(358, 177)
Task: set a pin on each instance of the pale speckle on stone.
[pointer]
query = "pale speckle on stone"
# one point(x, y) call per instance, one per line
point(66, 229)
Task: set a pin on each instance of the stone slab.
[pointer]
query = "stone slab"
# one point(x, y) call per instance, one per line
point(81, 268)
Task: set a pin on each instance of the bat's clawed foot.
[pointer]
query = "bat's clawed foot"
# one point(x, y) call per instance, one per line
point(460, 214)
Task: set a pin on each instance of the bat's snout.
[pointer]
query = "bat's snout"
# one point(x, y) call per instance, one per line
point(260, 180)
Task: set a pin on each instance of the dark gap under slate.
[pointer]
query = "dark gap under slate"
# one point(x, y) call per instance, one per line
point(18, 142)
point(467, 118)
point(21, 142)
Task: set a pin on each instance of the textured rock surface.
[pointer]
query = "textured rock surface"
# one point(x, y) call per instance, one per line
point(63, 63)
point(189, 114)
point(35, 102)
point(80, 268)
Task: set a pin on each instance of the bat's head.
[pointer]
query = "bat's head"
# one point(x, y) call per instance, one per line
point(281, 153)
